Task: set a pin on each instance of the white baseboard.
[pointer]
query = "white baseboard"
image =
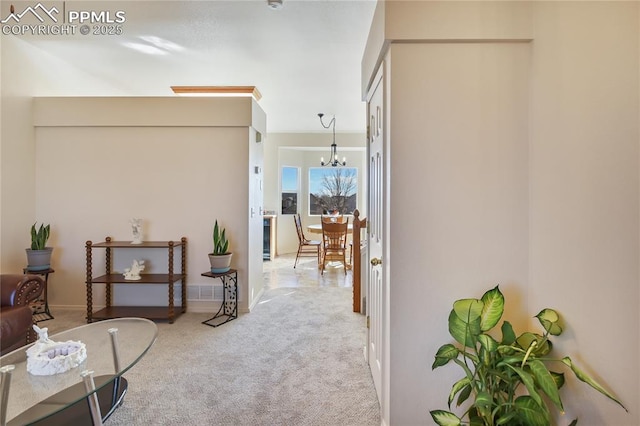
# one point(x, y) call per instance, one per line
point(210, 302)
point(256, 299)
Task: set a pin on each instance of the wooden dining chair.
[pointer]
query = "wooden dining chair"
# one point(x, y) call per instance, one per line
point(334, 243)
point(305, 247)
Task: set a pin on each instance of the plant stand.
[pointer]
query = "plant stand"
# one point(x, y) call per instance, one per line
point(229, 306)
point(41, 306)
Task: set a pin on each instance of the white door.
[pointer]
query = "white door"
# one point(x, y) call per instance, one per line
point(375, 294)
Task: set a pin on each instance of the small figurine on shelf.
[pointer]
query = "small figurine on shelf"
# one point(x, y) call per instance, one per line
point(136, 227)
point(133, 273)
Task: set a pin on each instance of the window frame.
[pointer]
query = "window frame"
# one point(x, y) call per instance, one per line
point(295, 193)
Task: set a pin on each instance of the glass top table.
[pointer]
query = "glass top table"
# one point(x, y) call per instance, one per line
point(113, 347)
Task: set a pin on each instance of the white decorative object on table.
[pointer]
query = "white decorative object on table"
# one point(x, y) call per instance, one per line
point(47, 357)
point(136, 227)
point(133, 273)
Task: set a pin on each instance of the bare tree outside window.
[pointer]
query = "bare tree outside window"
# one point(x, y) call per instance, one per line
point(332, 190)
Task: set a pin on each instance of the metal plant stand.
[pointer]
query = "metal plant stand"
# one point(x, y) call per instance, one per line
point(229, 308)
point(41, 306)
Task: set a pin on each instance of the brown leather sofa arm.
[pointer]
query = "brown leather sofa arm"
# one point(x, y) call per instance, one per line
point(20, 290)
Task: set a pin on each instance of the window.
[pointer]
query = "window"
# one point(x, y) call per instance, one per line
point(332, 189)
point(290, 187)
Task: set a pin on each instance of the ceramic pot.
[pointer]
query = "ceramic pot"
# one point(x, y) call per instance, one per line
point(39, 260)
point(220, 263)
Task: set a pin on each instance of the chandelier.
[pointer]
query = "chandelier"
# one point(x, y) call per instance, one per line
point(333, 157)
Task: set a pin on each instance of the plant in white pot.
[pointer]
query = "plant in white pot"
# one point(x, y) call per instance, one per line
point(220, 258)
point(39, 255)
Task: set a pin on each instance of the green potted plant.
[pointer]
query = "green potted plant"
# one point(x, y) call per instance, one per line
point(39, 255)
point(220, 257)
point(505, 382)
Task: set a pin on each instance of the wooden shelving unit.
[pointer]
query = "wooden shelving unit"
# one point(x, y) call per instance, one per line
point(109, 279)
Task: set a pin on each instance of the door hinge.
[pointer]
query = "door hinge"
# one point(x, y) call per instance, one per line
point(368, 134)
point(368, 321)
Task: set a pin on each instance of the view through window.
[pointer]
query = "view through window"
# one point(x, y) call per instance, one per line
point(332, 190)
point(290, 187)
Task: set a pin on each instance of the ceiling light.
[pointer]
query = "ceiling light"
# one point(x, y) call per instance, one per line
point(274, 4)
point(217, 91)
point(333, 156)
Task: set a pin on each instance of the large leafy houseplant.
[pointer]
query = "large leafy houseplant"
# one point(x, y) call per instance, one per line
point(506, 382)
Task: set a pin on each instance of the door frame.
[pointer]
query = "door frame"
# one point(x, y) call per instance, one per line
point(380, 82)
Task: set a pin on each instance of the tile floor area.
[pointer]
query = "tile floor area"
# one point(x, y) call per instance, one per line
point(279, 272)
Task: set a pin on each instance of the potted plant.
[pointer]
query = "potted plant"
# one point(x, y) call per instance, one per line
point(39, 255)
point(508, 381)
point(220, 258)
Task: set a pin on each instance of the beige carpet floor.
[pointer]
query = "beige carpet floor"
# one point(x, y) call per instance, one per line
point(296, 359)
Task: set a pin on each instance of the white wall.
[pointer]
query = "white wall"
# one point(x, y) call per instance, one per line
point(177, 169)
point(17, 171)
point(523, 159)
point(584, 194)
point(28, 71)
point(458, 202)
point(255, 164)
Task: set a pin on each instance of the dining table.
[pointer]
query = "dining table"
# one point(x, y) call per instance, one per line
point(317, 228)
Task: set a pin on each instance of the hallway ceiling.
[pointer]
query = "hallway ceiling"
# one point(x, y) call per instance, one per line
point(304, 58)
